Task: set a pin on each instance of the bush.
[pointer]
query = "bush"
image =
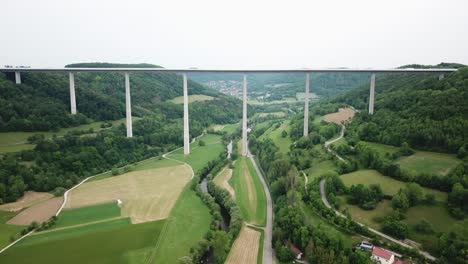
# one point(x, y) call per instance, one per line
point(424, 227)
point(201, 143)
point(115, 172)
point(59, 191)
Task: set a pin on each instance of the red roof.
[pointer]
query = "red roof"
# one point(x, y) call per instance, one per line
point(294, 249)
point(380, 252)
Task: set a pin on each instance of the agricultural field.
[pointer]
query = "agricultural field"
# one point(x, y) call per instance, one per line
point(138, 190)
point(343, 115)
point(222, 180)
point(245, 248)
point(39, 212)
point(7, 231)
point(275, 134)
point(285, 100)
point(29, 198)
point(83, 215)
point(115, 241)
point(17, 141)
point(188, 223)
point(389, 185)
point(192, 98)
point(249, 192)
point(429, 162)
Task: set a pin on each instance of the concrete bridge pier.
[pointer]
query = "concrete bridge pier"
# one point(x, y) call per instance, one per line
point(17, 77)
point(72, 93)
point(372, 94)
point(128, 106)
point(306, 106)
point(244, 117)
point(186, 118)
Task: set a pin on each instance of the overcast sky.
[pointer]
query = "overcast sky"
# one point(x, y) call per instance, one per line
point(234, 34)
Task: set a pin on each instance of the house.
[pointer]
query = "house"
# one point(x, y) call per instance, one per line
point(296, 252)
point(382, 256)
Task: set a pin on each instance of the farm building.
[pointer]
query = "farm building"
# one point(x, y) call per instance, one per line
point(296, 252)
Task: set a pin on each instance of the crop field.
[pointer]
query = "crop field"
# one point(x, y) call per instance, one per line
point(6, 230)
point(192, 98)
point(189, 221)
point(275, 134)
point(17, 141)
point(249, 192)
point(245, 248)
point(429, 162)
point(115, 241)
point(40, 212)
point(146, 195)
point(389, 185)
point(200, 155)
point(29, 198)
point(343, 114)
point(87, 214)
point(222, 180)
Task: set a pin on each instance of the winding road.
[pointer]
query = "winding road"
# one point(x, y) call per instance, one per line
point(268, 257)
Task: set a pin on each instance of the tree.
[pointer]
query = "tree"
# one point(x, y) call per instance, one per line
point(400, 202)
point(414, 193)
point(284, 134)
point(219, 243)
point(424, 227)
point(201, 143)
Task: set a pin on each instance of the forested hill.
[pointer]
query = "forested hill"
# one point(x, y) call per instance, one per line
point(419, 109)
point(42, 101)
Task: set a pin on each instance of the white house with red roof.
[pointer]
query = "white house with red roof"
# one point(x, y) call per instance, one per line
point(382, 256)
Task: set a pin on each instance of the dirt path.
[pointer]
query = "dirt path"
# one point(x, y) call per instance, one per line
point(328, 143)
point(268, 253)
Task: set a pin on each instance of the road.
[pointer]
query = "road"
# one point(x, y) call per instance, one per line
point(268, 257)
point(327, 204)
point(328, 143)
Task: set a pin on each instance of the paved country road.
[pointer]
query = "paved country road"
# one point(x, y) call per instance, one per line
point(267, 249)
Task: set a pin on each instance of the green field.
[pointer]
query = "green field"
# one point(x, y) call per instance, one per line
point(230, 128)
point(368, 217)
point(275, 134)
point(200, 156)
point(192, 98)
point(87, 214)
point(383, 149)
point(389, 185)
point(249, 192)
point(189, 221)
point(319, 169)
point(17, 141)
point(108, 242)
point(429, 162)
point(7, 231)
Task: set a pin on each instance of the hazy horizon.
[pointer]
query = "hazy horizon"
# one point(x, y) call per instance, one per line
point(243, 34)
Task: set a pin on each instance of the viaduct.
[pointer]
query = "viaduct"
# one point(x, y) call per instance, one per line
point(184, 72)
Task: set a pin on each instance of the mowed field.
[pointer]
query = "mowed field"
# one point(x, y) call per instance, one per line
point(40, 212)
point(245, 248)
point(389, 185)
point(429, 162)
point(147, 195)
point(343, 114)
point(7, 231)
point(249, 192)
point(222, 180)
point(109, 242)
point(192, 98)
point(29, 198)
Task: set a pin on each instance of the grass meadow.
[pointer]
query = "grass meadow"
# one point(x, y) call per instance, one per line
point(7, 231)
point(275, 134)
point(429, 162)
point(87, 214)
point(192, 98)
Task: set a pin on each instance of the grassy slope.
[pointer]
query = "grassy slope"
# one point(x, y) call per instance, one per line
point(275, 134)
point(6, 231)
point(110, 242)
point(429, 162)
point(192, 98)
point(319, 169)
point(87, 214)
point(383, 149)
point(389, 185)
point(252, 213)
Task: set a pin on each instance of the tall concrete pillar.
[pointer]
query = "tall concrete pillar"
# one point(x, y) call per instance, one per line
point(441, 76)
point(186, 119)
point(306, 106)
point(128, 106)
point(17, 77)
point(371, 94)
point(72, 93)
point(244, 117)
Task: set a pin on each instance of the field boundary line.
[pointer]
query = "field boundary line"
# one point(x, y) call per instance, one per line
point(79, 225)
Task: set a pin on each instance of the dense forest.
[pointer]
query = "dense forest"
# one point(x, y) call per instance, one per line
point(414, 108)
point(41, 103)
